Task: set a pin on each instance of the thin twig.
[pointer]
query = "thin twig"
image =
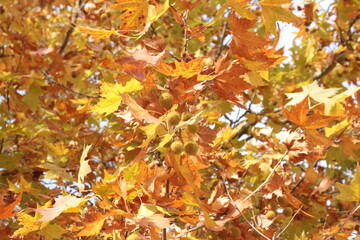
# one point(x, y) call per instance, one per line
point(267, 179)
point(287, 225)
point(79, 7)
point(236, 207)
point(50, 78)
point(342, 225)
point(223, 35)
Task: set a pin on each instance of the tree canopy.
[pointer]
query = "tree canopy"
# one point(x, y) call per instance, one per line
point(179, 119)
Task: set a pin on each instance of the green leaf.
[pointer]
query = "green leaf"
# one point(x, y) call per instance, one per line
point(350, 192)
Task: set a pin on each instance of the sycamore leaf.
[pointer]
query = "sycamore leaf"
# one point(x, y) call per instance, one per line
point(92, 228)
point(61, 204)
point(350, 192)
point(52, 231)
point(138, 15)
point(137, 111)
point(184, 69)
point(6, 212)
point(300, 116)
point(111, 94)
point(341, 126)
point(242, 8)
point(135, 15)
point(84, 167)
point(30, 224)
point(99, 33)
point(333, 105)
point(273, 12)
point(315, 92)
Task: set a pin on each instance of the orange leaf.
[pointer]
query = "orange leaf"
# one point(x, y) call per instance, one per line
point(301, 116)
point(184, 69)
point(6, 212)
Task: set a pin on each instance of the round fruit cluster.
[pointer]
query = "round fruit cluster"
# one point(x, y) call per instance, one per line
point(173, 118)
point(272, 206)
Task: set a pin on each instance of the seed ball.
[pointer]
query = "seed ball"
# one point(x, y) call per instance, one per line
point(177, 147)
point(193, 128)
point(270, 215)
point(166, 100)
point(272, 205)
point(288, 211)
point(282, 200)
point(186, 116)
point(191, 148)
point(235, 232)
point(173, 118)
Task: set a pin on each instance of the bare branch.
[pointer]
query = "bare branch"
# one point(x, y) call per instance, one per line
point(236, 207)
point(342, 225)
point(287, 225)
point(267, 179)
point(79, 7)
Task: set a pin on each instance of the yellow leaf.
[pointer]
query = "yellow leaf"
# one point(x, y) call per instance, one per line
point(92, 228)
point(350, 192)
point(84, 167)
point(99, 33)
point(30, 224)
point(329, 131)
point(205, 77)
point(272, 12)
point(135, 15)
point(242, 8)
point(111, 94)
point(167, 138)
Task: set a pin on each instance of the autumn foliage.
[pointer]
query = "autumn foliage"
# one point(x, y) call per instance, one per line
point(181, 119)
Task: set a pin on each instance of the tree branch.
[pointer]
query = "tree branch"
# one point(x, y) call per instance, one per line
point(267, 179)
point(79, 7)
point(342, 225)
point(236, 207)
point(50, 78)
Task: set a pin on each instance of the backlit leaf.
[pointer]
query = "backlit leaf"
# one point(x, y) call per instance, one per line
point(350, 192)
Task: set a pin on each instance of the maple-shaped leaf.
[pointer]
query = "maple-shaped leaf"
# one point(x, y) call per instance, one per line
point(6, 212)
point(313, 91)
point(139, 112)
point(84, 167)
point(273, 12)
point(350, 192)
point(111, 93)
point(61, 204)
point(52, 231)
point(230, 79)
point(99, 33)
point(94, 227)
point(295, 143)
point(138, 15)
point(184, 69)
point(252, 51)
point(301, 116)
point(29, 224)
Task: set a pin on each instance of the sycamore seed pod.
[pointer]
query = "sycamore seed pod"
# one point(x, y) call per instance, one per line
point(193, 128)
point(186, 116)
point(177, 147)
point(173, 118)
point(282, 200)
point(191, 148)
point(166, 100)
point(270, 215)
point(288, 211)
